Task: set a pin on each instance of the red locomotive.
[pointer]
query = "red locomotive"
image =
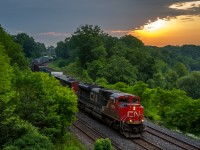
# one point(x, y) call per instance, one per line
point(120, 110)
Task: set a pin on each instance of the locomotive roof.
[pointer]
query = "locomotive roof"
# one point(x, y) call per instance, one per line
point(118, 94)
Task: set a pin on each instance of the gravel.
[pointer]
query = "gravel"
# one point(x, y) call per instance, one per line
point(175, 134)
point(126, 144)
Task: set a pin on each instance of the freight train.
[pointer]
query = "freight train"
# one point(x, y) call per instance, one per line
point(120, 110)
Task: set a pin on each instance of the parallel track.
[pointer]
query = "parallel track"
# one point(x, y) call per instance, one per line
point(173, 140)
point(91, 132)
point(146, 144)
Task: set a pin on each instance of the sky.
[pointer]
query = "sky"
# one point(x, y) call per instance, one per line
point(155, 22)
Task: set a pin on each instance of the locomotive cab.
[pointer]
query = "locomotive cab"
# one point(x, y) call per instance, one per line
point(125, 113)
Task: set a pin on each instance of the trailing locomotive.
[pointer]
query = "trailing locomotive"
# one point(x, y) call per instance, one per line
point(120, 110)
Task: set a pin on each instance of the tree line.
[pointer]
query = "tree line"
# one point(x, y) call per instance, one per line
point(34, 108)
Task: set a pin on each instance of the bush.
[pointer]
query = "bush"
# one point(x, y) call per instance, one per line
point(103, 144)
point(31, 141)
point(23, 135)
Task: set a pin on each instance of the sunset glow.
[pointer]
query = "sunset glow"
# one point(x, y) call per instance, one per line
point(153, 26)
point(179, 30)
point(175, 31)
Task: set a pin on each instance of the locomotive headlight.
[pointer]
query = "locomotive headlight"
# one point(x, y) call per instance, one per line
point(134, 108)
point(142, 120)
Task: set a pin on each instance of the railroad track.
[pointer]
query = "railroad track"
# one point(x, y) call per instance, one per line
point(143, 142)
point(146, 144)
point(173, 140)
point(91, 133)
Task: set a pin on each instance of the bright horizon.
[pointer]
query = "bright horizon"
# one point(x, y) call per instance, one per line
point(180, 30)
point(175, 31)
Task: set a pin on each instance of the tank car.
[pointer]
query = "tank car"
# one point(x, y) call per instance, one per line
point(120, 110)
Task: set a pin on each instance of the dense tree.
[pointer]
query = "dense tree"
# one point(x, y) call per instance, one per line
point(171, 79)
point(185, 116)
point(191, 84)
point(118, 69)
point(6, 93)
point(180, 69)
point(131, 41)
point(20, 134)
point(96, 68)
point(13, 50)
point(62, 49)
point(84, 40)
point(51, 51)
point(31, 48)
point(42, 101)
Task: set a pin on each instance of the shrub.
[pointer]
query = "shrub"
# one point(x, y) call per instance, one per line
point(103, 144)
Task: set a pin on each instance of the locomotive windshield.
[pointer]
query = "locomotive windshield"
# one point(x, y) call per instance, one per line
point(122, 100)
point(135, 100)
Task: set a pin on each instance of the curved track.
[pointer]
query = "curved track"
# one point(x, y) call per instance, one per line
point(91, 132)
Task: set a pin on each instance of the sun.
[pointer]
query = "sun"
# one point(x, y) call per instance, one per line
point(153, 26)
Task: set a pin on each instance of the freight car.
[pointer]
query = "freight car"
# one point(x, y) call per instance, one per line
point(38, 62)
point(120, 110)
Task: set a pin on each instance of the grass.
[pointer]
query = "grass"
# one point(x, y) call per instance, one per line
point(69, 142)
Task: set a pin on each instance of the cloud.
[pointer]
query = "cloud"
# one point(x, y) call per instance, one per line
point(54, 34)
point(118, 33)
point(185, 5)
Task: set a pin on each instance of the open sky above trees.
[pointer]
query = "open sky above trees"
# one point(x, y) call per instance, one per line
point(155, 22)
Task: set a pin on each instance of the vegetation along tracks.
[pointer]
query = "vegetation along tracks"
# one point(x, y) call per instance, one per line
point(90, 132)
point(171, 139)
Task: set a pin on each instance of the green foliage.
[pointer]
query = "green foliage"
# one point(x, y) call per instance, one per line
point(30, 47)
point(42, 101)
point(131, 41)
point(119, 69)
point(86, 42)
point(13, 50)
point(96, 68)
point(98, 52)
point(180, 69)
point(74, 70)
point(85, 77)
point(191, 84)
point(101, 81)
point(103, 144)
point(6, 93)
point(171, 79)
point(62, 49)
point(22, 135)
point(185, 117)
point(68, 142)
point(34, 108)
